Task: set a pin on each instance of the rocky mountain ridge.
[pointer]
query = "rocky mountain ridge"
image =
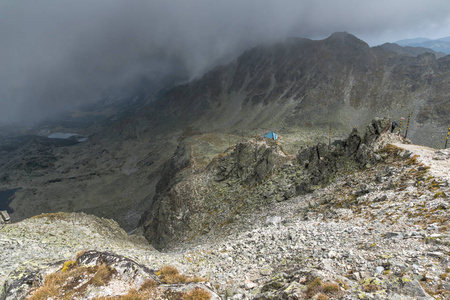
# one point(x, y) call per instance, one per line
point(297, 87)
point(408, 50)
point(441, 44)
point(302, 84)
point(250, 175)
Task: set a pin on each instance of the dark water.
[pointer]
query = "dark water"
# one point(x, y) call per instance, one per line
point(5, 199)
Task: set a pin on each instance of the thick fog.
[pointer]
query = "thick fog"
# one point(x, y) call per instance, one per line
point(55, 55)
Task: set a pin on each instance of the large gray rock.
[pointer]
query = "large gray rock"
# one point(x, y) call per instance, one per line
point(323, 161)
point(250, 162)
point(4, 217)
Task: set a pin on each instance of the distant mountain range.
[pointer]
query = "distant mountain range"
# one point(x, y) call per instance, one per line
point(438, 45)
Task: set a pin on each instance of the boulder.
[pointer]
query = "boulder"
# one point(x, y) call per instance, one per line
point(4, 217)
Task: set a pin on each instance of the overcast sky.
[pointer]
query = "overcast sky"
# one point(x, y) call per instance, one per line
point(58, 53)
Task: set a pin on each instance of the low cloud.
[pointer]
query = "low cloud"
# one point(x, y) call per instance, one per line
point(59, 54)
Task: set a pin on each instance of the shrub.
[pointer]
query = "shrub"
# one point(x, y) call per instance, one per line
point(314, 287)
point(170, 275)
point(167, 270)
point(330, 288)
point(322, 297)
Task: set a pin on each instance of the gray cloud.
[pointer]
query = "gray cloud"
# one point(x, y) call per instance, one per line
point(57, 54)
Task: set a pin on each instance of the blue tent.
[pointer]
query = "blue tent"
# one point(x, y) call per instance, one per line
point(272, 135)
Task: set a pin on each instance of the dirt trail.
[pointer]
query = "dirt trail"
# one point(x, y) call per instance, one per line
point(437, 160)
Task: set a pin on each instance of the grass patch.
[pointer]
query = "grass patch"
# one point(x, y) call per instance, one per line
point(149, 284)
point(103, 275)
point(370, 287)
point(316, 286)
point(197, 294)
point(322, 297)
point(73, 281)
point(171, 275)
point(330, 288)
point(61, 285)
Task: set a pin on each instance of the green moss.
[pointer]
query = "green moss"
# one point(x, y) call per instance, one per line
point(439, 194)
point(371, 280)
point(68, 265)
point(405, 279)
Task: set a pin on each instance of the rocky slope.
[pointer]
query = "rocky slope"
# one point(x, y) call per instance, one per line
point(297, 87)
point(380, 232)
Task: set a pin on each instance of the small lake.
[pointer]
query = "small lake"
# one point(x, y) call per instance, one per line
point(60, 135)
point(66, 136)
point(5, 199)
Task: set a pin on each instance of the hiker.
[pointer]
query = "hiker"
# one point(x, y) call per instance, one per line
point(394, 124)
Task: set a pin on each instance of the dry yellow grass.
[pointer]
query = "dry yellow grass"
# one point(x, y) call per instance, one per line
point(170, 275)
point(197, 294)
point(103, 275)
point(330, 288)
point(67, 283)
point(314, 287)
point(73, 281)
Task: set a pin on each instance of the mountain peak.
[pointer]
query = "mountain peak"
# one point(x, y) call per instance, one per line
point(340, 34)
point(345, 38)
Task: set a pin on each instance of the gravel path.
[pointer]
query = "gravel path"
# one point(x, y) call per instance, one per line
point(437, 160)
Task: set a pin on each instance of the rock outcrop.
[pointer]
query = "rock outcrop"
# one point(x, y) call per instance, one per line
point(4, 217)
point(249, 177)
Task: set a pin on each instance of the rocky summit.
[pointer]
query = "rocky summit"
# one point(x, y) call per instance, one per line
point(362, 218)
